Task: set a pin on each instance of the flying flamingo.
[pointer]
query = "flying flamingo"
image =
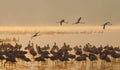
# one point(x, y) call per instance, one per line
point(36, 34)
point(78, 21)
point(62, 21)
point(107, 23)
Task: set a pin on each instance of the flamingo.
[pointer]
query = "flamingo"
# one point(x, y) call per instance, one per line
point(107, 23)
point(36, 34)
point(78, 21)
point(62, 21)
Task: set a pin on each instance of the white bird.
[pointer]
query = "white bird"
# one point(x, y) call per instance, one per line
point(107, 23)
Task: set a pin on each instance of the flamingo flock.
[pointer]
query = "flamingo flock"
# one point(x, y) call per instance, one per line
point(65, 53)
point(79, 22)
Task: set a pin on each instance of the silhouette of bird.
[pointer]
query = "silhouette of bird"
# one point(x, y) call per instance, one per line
point(82, 57)
point(78, 21)
point(107, 59)
point(92, 57)
point(36, 34)
point(62, 21)
point(107, 23)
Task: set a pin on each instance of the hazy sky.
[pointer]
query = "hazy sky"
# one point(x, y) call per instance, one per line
point(48, 12)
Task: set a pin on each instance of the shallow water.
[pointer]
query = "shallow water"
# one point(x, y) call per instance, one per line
point(76, 37)
point(95, 38)
point(62, 66)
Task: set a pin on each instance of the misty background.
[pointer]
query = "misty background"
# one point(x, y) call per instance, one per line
point(48, 12)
